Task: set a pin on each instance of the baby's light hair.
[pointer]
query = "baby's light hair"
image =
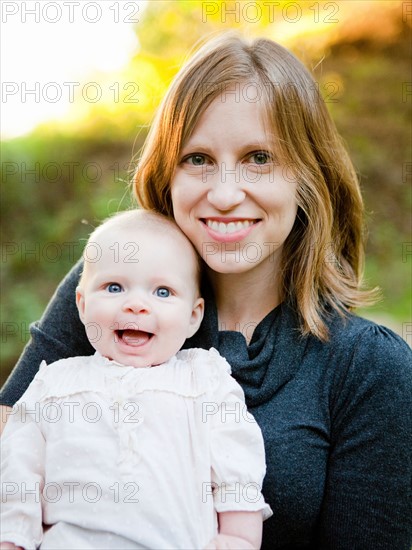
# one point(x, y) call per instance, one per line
point(140, 220)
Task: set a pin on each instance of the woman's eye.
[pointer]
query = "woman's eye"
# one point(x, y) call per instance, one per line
point(260, 157)
point(114, 288)
point(162, 292)
point(196, 160)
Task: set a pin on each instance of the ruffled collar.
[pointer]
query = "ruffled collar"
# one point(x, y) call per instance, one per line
point(101, 360)
point(268, 362)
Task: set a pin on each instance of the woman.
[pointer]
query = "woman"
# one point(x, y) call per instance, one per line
point(245, 157)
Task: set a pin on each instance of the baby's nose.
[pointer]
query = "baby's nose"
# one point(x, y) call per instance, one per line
point(137, 304)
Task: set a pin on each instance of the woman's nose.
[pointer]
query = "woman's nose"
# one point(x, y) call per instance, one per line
point(226, 190)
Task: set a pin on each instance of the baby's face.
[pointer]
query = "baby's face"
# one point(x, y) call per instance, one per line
point(139, 301)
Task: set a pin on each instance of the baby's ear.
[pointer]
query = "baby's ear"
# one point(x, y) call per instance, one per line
point(197, 316)
point(80, 302)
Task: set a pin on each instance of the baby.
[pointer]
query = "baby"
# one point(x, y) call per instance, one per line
point(140, 445)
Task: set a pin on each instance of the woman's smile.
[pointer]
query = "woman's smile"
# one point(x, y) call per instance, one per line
point(229, 229)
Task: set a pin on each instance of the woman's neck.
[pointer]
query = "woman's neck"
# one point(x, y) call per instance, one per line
point(243, 299)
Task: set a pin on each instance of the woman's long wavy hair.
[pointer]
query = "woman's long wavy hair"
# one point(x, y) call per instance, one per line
point(322, 261)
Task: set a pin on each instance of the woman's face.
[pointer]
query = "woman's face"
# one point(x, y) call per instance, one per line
point(230, 196)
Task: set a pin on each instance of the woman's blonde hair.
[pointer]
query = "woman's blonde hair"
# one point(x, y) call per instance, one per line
point(322, 259)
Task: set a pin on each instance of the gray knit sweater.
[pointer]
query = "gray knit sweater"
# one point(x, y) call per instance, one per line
point(336, 419)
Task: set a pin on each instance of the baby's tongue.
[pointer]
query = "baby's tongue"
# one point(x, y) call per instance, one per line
point(135, 337)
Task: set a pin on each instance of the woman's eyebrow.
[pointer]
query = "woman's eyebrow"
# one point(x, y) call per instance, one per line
point(197, 145)
point(255, 145)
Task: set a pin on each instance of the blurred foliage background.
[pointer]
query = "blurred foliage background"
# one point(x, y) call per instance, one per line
point(59, 181)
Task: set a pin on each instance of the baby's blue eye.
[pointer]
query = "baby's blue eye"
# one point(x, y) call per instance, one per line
point(162, 292)
point(114, 288)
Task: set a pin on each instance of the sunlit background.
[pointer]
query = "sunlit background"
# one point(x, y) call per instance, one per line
point(47, 42)
point(81, 80)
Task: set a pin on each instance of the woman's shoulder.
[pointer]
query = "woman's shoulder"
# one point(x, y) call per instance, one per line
point(369, 354)
point(352, 337)
point(363, 334)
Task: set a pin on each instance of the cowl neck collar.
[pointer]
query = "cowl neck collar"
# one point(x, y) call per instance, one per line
point(268, 362)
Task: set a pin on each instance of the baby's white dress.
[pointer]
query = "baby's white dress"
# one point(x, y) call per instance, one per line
point(113, 456)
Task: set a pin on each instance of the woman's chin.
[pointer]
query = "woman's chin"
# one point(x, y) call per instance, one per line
point(231, 266)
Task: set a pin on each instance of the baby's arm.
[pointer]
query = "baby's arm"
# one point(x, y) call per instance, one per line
point(237, 466)
point(238, 531)
point(22, 467)
point(5, 411)
point(9, 546)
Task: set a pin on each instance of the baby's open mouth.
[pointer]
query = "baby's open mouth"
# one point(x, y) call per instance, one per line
point(133, 337)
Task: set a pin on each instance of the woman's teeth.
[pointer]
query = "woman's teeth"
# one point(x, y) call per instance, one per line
point(231, 227)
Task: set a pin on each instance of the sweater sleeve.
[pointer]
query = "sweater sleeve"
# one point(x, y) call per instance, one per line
point(367, 502)
point(58, 334)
